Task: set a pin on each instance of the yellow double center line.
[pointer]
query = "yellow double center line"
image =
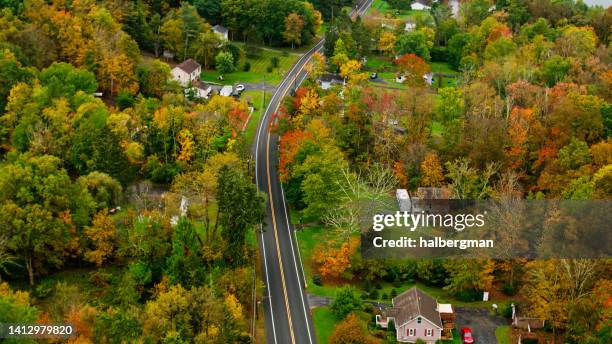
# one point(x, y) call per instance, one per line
point(280, 260)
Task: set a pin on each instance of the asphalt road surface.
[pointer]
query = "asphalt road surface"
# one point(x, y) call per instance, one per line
point(288, 319)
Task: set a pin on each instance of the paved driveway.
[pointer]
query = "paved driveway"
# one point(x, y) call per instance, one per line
point(481, 322)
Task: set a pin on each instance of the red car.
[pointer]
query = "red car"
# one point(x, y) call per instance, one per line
point(466, 335)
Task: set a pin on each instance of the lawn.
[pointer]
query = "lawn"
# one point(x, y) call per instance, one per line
point(383, 7)
point(502, 334)
point(442, 67)
point(259, 66)
point(256, 100)
point(324, 323)
point(308, 239)
point(378, 64)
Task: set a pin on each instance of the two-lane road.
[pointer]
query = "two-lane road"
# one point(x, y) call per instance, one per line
point(286, 308)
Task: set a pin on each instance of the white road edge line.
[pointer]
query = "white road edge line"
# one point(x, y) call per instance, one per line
point(263, 243)
point(306, 55)
point(297, 274)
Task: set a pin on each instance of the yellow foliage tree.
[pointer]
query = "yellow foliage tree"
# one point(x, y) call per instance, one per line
point(431, 171)
point(102, 233)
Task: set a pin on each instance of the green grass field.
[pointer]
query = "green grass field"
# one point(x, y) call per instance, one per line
point(258, 71)
point(379, 64)
point(256, 99)
point(324, 322)
point(309, 238)
point(502, 334)
point(442, 67)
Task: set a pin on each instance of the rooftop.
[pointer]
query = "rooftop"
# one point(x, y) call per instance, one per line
point(188, 66)
point(414, 303)
point(220, 29)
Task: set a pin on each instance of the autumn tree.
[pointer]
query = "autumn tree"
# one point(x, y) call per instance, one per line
point(334, 262)
point(35, 210)
point(386, 42)
point(431, 171)
point(413, 68)
point(103, 235)
point(15, 306)
point(294, 24)
point(351, 331)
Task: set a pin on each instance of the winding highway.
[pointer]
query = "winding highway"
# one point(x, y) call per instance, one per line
point(286, 309)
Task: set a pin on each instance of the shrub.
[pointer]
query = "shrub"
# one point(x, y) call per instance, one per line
point(224, 62)
point(393, 293)
point(43, 289)
point(374, 294)
point(385, 296)
point(124, 100)
point(345, 302)
point(274, 61)
point(468, 295)
point(247, 66)
point(269, 69)
point(316, 279)
point(285, 53)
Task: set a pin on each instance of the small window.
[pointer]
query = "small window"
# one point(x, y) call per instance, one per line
point(429, 332)
point(411, 332)
point(418, 320)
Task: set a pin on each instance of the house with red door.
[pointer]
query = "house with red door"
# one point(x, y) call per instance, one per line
point(417, 315)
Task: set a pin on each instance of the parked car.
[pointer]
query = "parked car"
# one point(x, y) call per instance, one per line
point(239, 88)
point(373, 75)
point(466, 336)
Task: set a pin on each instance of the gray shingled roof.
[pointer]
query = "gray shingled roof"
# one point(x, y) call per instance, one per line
point(413, 303)
point(188, 66)
point(220, 29)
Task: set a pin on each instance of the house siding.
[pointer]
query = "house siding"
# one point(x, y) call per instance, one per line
point(402, 332)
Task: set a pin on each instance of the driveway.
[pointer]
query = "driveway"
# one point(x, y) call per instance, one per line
point(482, 323)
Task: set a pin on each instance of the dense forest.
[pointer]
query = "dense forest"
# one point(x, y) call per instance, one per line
point(521, 111)
point(127, 207)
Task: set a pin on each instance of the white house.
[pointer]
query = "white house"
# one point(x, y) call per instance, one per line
point(420, 5)
point(221, 31)
point(417, 315)
point(187, 72)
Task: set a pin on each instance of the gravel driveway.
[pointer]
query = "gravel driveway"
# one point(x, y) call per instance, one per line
point(482, 323)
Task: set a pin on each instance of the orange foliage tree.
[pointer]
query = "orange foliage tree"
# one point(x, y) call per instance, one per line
point(334, 262)
point(290, 144)
point(351, 331)
point(413, 68)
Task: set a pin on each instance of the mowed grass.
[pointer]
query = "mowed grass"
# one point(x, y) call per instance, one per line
point(324, 322)
point(377, 63)
point(309, 238)
point(256, 99)
point(259, 68)
point(442, 67)
point(502, 334)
